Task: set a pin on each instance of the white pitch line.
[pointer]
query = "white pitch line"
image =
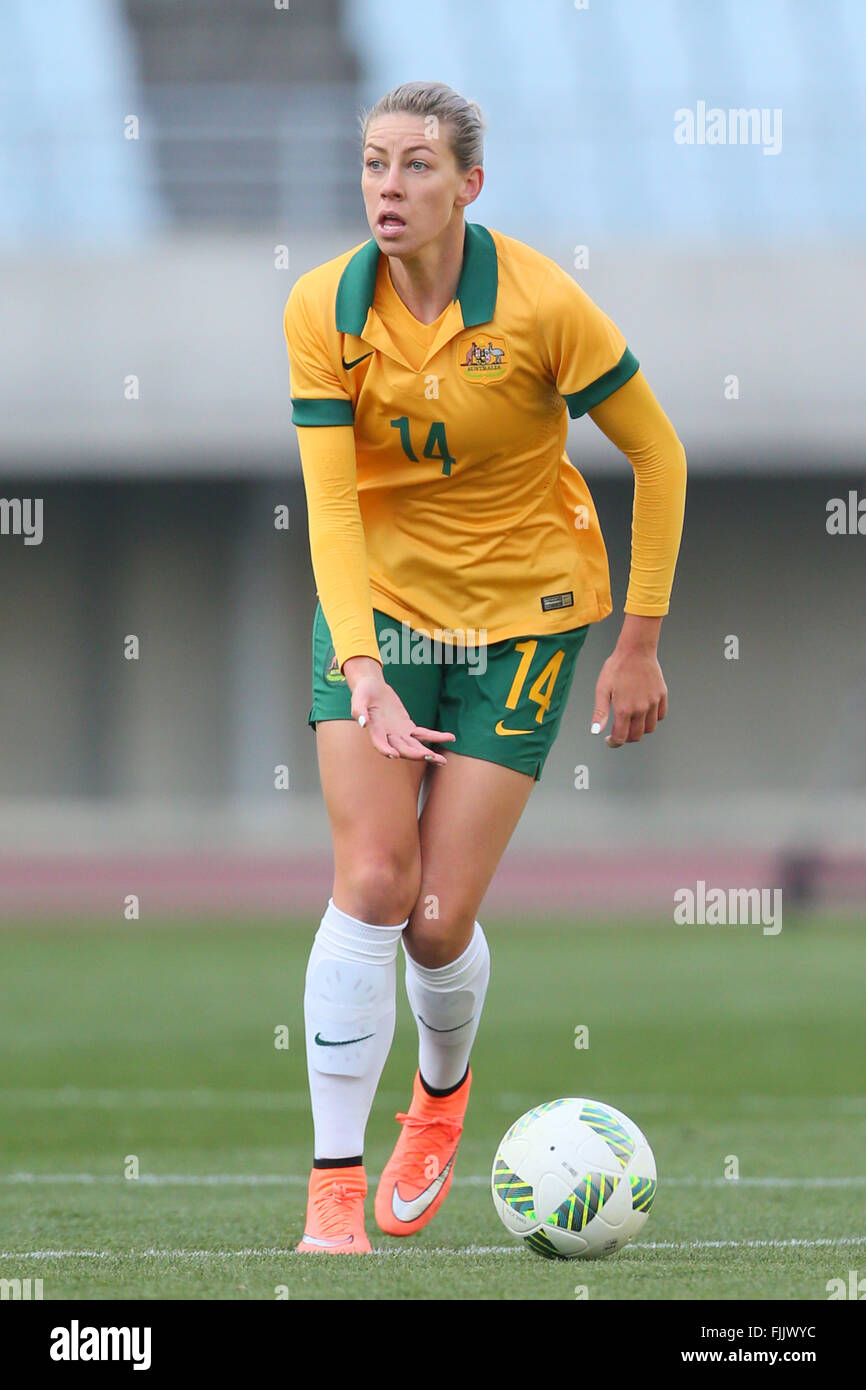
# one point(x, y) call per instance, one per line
point(856, 1181)
point(159, 1179)
point(71, 1097)
point(419, 1252)
point(745, 1244)
point(301, 1180)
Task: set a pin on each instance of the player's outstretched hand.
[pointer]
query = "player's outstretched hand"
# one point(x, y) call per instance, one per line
point(378, 708)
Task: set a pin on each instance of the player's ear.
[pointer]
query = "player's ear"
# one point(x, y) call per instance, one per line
point(473, 182)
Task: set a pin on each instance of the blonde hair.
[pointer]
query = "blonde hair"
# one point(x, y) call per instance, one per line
point(449, 107)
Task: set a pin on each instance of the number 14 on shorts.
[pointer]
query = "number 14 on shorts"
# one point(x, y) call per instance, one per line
point(541, 690)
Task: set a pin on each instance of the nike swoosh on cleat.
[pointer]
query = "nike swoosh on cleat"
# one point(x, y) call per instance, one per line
point(328, 1244)
point(455, 1029)
point(342, 1042)
point(501, 730)
point(355, 361)
point(410, 1211)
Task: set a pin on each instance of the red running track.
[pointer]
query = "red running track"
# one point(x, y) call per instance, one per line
point(240, 885)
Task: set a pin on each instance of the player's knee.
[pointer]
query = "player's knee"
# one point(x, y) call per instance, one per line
point(382, 886)
point(437, 937)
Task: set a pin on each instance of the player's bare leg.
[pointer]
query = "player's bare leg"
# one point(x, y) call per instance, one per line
point(470, 813)
point(349, 1001)
point(372, 805)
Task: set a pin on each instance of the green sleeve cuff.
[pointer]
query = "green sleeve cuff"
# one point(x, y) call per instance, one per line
point(321, 412)
point(579, 402)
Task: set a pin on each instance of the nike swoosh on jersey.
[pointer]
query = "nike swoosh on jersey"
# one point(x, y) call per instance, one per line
point(410, 1211)
point(328, 1244)
point(455, 1029)
point(341, 1042)
point(355, 361)
point(501, 730)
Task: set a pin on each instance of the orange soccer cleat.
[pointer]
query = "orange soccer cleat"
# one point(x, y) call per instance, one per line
point(418, 1174)
point(335, 1213)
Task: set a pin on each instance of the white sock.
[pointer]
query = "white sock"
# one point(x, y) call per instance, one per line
point(447, 1004)
point(349, 1012)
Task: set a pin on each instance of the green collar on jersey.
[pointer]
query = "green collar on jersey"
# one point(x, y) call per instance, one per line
point(476, 289)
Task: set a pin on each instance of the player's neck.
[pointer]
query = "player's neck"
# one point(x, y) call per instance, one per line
point(427, 282)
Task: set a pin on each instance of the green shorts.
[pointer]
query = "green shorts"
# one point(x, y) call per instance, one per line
point(504, 701)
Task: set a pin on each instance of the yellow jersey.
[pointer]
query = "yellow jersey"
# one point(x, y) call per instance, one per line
point(472, 517)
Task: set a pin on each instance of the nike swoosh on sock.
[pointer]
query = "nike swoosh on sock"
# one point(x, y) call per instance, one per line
point(455, 1029)
point(342, 1042)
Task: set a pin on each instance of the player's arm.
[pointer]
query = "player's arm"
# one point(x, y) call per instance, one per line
point(338, 548)
point(339, 555)
point(634, 421)
point(322, 411)
point(588, 360)
point(631, 678)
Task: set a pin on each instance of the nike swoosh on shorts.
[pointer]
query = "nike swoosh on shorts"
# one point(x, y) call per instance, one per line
point(501, 730)
point(410, 1211)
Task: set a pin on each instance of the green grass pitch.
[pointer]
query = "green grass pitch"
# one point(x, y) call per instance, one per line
point(158, 1042)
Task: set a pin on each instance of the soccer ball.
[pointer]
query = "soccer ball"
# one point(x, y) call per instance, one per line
point(574, 1179)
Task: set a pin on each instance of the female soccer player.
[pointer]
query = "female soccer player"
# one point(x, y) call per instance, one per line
point(459, 562)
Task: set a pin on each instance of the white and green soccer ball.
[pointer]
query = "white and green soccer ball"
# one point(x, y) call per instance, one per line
point(574, 1179)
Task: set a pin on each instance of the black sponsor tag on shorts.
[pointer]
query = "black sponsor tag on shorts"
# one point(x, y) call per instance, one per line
point(550, 601)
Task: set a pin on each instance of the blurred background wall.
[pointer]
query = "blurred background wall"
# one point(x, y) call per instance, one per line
point(167, 169)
